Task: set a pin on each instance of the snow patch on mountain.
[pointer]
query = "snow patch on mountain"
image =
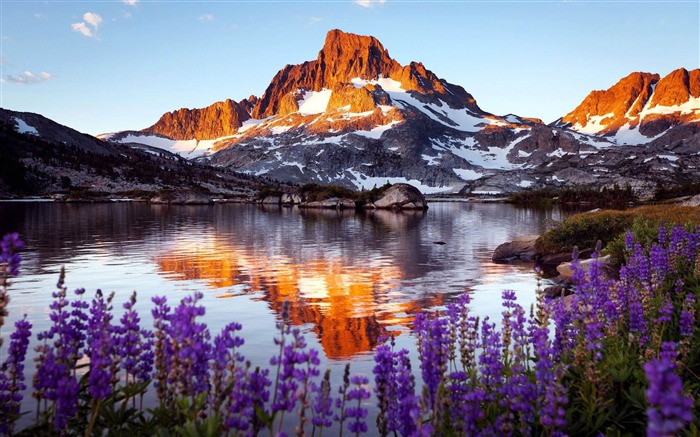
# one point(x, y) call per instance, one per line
point(314, 102)
point(377, 132)
point(24, 128)
point(460, 119)
point(628, 135)
point(467, 174)
point(364, 182)
point(594, 125)
point(691, 106)
point(186, 148)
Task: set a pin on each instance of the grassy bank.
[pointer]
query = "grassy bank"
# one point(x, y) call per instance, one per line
point(586, 229)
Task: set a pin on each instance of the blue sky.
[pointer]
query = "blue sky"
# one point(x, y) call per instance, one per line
point(104, 66)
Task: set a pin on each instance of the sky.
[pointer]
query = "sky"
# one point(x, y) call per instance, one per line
point(106, 66)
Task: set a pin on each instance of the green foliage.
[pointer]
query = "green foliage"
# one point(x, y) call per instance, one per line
point(267, 192)
point(584, 230)
point(314, 192)
point(366, 196)
point(663, 192)
point(614, 196)
point(644, 230)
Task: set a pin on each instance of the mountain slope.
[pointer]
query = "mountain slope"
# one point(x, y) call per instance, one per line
point(40, 157)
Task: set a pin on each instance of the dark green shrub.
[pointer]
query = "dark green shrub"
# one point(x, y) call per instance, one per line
point(584, 230)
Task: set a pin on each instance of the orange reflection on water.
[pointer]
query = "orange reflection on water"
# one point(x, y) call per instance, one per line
point(349, 303)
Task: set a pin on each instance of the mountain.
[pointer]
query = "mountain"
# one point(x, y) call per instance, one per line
point(641, 108)
point(43, 157)
point(355, 116)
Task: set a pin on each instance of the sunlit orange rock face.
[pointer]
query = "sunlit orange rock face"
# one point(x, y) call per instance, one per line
point(345, 303)
point(346, 56)
point(629, 94)
point(637, 100)
point(218, 120)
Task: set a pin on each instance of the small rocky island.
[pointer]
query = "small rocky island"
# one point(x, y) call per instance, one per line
point(394, 197)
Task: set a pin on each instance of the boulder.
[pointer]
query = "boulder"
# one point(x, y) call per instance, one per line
point(566, 272)
point(553, 260)
point(693, 201)
point(555, 291)
point(522, 248)
point(271, 200)
point(401, 196)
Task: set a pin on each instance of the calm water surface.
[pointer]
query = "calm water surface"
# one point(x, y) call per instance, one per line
point(350, 277)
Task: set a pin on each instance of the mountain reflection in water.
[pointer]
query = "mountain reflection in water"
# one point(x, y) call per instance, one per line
point(346, 300)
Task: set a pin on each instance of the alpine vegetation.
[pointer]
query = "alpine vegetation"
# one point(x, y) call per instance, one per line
point(618, 357)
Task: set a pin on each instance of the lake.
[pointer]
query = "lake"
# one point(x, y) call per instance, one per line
point(350, 277)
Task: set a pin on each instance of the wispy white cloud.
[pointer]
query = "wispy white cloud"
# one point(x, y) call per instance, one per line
point(89, 26)
point(130, 2)
point(82, 28)
point(28, 78)
point(314, 20)
point(206, 18)
point(41, 16)
point(93, 19)
point(369, 3)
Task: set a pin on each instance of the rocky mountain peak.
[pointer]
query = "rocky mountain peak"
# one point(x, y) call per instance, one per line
point(677, 88)
point(345, 56)
point(217, 120)
point(602, 111)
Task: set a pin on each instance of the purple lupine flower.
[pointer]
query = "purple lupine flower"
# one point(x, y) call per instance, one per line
point(665, 311)
point(357, 413)
point(663, 234)
point(384, 384)
point(248, 396)
point(322, 404)
point(144, 368)
point(100, 347)
point(135, 344)
point(670, 409)
point(637, 320)
point(129, 340)
point(395, 389)
point(433, 348)
point(518, 392)
point(490, 362)
point(287, 383)
point(225, 360)
point(12, 376)
point(687, 316)
point(629, 241)
point(677, 247)
point(304, 375)
point(552, 395)
point(163, 351)
point(189, 372)
point(9, 246)
point(54, 379)
point(564, 330)
point(466, 401)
